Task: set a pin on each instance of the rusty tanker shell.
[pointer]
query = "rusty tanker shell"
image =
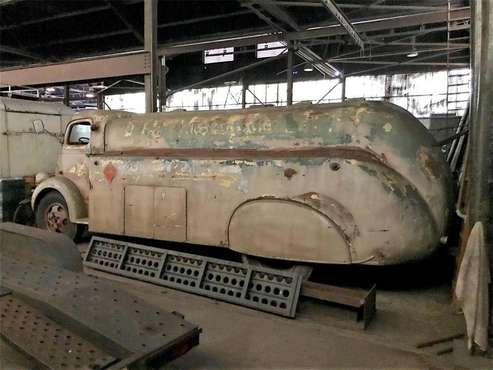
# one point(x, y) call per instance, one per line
point(355, 182)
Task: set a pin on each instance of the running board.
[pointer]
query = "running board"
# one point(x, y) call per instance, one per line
point(256, 287)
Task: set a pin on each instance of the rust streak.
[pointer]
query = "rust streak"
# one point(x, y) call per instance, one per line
point(346, 152)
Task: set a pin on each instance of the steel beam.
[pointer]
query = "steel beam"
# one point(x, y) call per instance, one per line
point(344, 21)
point(123, 18)
point(19, 52)
point(80, 38)
point(279, 13)
point(394, 63)
point(150, 36)
point(55, 17)
point(413, 61)
point(9, 2)
point(384, 23)
point(239, 39)
point(395, 53)
point(78, 70)
point(204, 19)
point(302, 51)
point(318, 4)
point(229, 73)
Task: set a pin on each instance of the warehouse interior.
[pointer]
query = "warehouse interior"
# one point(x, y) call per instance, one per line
point(337, 152)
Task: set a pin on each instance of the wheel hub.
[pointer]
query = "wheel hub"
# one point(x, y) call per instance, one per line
point(56, 218)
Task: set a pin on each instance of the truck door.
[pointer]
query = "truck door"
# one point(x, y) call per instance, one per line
point(156, 212)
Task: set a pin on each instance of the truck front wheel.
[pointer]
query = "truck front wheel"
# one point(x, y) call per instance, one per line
point(52, 214)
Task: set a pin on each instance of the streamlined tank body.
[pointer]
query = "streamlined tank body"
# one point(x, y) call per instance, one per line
point(354, 182)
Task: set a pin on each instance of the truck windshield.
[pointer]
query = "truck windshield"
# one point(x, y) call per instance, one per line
point(80, 133)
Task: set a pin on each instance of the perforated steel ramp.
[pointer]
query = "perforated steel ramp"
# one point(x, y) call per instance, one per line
point(54, 346)
point(83, 320)
point(252, 286)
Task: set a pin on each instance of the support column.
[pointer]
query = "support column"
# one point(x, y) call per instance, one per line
point(343, 90)
point(388, 87)
point(162, 84)
point(289, 77)
point(150, 44)
point(100, 100)
point(481, 126)
point(66, 95)
point(244, 88)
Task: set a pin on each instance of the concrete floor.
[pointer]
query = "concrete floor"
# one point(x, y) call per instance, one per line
point(322, 336)
point(239, 338)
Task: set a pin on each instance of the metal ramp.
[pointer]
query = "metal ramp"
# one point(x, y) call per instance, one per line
point(251, 286)
point(64, 319)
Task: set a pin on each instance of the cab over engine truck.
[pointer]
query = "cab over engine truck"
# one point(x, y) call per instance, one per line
point(350, 183)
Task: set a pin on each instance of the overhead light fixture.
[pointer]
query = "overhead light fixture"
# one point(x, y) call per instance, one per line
point(308, 68)
point(90, 95)
point(50, 89)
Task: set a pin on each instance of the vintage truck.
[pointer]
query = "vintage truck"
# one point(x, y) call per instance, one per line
point(357, 182)
point(30, 133)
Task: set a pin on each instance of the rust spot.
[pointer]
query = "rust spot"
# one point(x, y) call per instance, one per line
point(379, 256)
point(311, 198)
point(430, 165)
point(290, 172)
point(335, 166)
point(346, 152)
point(109, 172)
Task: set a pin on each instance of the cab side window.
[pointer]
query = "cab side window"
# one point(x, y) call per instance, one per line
point(80, 133)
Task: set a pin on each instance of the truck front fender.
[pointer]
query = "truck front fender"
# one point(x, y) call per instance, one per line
point(77, 207)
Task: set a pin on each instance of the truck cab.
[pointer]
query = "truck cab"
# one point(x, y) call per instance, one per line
point(61, 201)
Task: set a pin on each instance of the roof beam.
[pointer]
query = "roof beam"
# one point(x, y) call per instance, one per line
point(123, 18)
point(412, 61)
point(22, 53)
point(344, 21)
point(258, 63)
point(279, 13)
point(239, 39)
point(81, 38)
point(384, 23)
point(318, 4)
point(396, 53)
point(301, 51)
point(55, 17)
point(393, 63)
point(9, 2)
point(204, 19)
point(78, 70)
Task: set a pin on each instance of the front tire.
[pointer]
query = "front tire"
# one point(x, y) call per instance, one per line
point(52, 215)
